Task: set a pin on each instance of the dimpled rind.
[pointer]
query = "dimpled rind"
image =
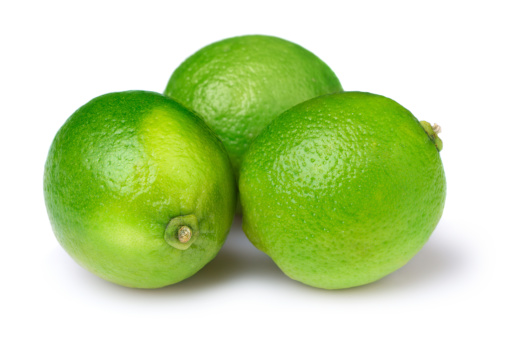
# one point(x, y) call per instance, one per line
point(120, 168)
point(342, 189)
point(239, 85)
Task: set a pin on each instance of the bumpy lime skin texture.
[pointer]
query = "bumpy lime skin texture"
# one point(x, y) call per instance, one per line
point(239, 85)
point(342, 190)
point(119, 169)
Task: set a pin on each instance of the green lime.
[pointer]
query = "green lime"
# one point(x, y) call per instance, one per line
point(239, 85)
point(138, 189)
point(342, 189)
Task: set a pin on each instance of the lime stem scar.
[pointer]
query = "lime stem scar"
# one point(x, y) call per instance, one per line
point(184, 234)
point(432, 132)
point(182, 231)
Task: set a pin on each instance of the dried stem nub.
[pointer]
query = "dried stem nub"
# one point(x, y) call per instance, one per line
point(184, 234)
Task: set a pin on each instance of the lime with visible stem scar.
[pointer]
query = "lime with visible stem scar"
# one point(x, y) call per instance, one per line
point(139, 190)
point(343, 189)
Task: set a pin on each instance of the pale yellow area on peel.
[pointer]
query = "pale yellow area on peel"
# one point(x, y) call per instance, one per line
point(184, 158)
point(173, 153)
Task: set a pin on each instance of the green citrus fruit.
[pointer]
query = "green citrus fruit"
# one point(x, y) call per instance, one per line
point(239, 85)
point(342, 189)
point(138, 189)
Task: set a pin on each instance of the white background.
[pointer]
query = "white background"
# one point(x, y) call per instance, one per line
point(443, 60)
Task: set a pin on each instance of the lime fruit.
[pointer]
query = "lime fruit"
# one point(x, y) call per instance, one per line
point(342, 189)
point(239, 85)
point(138, 189)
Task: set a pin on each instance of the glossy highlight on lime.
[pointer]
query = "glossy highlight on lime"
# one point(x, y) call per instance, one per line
point(139, 190)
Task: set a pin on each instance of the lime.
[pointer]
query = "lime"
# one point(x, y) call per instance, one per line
point(239, 85)
point(138, 189)
point(342, 189)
